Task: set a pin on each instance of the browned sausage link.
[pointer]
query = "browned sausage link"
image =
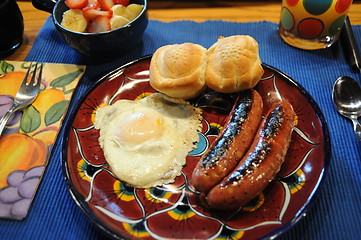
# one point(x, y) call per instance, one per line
point(230, 146)
point(260, 164)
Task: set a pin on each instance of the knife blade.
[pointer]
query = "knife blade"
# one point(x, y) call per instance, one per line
point(349, 46)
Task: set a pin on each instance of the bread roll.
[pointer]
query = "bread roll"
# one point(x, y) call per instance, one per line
point(178, 70)
point(233, 64)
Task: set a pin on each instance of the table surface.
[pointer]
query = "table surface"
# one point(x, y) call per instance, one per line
point(174, 10)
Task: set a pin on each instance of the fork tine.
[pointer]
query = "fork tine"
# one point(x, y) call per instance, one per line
point(39, 75)
point(26, 78)
point(32, 81)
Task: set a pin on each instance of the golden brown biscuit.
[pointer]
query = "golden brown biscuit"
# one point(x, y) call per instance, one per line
point(179, 70)
point(233, 64)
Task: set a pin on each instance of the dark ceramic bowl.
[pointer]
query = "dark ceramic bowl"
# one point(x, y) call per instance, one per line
point(98, 45)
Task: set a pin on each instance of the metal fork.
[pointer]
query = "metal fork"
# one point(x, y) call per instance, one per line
point(28, 91)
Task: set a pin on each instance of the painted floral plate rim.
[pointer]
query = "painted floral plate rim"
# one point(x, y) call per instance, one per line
point(175, 211)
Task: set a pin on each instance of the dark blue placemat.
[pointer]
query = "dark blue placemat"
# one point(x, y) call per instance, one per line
point(335, 214)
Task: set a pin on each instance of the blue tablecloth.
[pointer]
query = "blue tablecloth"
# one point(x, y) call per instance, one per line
point(335, 214)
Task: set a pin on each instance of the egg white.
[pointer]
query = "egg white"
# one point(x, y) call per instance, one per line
point(146, 142)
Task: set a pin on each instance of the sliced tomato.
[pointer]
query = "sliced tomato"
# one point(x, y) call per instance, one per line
point(106, 4)
point(99, 24)
point(91, 13)
point(122, 2)
point(76, 4)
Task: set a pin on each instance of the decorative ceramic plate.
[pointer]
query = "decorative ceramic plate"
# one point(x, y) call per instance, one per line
point(174, 211)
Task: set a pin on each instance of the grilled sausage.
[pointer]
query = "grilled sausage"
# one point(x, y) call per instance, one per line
point(231, 144)
point(260, 164)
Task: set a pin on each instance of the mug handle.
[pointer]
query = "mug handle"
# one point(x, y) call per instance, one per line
point(44, 5)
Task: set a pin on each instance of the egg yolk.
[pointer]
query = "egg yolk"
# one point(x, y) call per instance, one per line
point(138, 127)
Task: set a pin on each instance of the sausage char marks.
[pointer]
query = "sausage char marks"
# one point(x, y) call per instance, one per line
point(260, 164)
point(232, 143)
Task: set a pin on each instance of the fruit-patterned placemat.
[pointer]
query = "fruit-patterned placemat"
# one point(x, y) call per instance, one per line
point(29, 136)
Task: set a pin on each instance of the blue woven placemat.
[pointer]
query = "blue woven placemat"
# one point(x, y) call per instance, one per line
point(335, 214)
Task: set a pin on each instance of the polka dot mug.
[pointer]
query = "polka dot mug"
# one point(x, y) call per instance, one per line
point(312, 24)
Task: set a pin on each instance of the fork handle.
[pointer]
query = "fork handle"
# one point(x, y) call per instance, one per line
point(6, 118)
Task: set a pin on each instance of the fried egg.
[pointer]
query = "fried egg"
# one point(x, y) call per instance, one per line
point(146, 142)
